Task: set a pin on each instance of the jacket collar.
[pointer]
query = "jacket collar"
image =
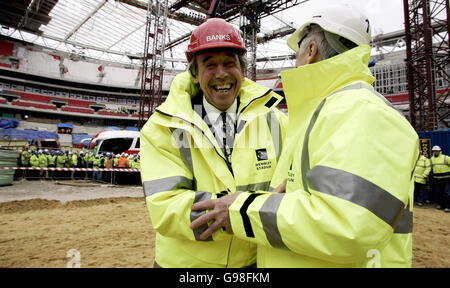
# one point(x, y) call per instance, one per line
point(313, 82)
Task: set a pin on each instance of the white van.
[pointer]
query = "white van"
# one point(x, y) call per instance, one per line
point(116, 141)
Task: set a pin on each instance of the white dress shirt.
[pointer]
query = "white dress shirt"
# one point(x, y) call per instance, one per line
point(216, 121)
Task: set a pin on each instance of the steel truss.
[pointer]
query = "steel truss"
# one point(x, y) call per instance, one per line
point(427, 63)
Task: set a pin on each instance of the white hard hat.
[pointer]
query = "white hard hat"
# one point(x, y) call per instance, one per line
point(436, 148)
point(342, 20)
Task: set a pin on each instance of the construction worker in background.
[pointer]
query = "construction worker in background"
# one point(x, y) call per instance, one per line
point(68, 164)
point(74, 164)
point(81, 164)
point(122, 163)
point(51, 163)
point(116, 158)
point(96, 165)
point(423, 169)
point(90, 157)
point(34, 163)
point(109, 165)
point(217, 132)
point(43, 163)
point(25, 157)
point(86, 164)
point(135, 164)
point(60, 163)
point(441, 178)
point(346, 167)
point(103, 160)
point(115, 173)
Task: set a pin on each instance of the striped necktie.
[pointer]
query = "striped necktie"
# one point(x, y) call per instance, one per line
point(227, 135)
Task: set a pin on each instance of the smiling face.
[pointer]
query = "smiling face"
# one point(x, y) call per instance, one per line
point(219, 75)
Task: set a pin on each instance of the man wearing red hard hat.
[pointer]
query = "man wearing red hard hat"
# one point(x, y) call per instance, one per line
point(217, 133)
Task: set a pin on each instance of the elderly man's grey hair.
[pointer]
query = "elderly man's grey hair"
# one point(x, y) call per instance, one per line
point(329, 44)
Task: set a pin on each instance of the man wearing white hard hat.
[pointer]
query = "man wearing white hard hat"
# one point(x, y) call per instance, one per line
point(346, 166)
point(441, 178)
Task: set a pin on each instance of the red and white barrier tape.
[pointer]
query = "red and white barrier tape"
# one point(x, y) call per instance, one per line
point(71, 169)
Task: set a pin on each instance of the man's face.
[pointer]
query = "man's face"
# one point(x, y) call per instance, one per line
point(436, 153)
point(220, 76)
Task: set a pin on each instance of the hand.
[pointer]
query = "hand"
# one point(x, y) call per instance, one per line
point(219, 215)
point(281, 188)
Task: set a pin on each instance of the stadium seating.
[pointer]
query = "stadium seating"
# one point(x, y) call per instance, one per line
point(77, 109)
point(33, 104)
point(110, 113)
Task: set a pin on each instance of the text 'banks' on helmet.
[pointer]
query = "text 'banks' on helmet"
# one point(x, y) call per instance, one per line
point(342, 20)
point(214, 33)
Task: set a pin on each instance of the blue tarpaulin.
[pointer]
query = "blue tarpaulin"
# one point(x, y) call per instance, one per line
point(65, 125)
point(30, 135)
point(112, 128)
point(131, 129)
point(7, 123)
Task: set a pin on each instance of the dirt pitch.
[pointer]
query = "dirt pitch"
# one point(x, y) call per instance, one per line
point(40, 222)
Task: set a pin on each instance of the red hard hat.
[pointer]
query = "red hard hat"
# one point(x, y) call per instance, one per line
point(214, 33)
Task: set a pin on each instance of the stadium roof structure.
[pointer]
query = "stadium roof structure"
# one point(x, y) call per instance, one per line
point(114, 30)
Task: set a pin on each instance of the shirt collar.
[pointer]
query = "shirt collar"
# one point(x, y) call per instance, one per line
point(214, 113)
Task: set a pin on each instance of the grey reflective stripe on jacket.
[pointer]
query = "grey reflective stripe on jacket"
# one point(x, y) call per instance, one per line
point(263, 186)
point(199, 197)
point(268, 216)
point(357, 190)
point(166, 184)
point(184, 147)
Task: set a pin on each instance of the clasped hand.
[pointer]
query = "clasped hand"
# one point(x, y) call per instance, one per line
point(219, 214)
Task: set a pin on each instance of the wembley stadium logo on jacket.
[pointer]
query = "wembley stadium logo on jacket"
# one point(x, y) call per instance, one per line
point(261, 154)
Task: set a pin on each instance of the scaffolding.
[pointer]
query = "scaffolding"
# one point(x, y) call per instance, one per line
point(153, 60)
point(427, 62)
point(250, 26)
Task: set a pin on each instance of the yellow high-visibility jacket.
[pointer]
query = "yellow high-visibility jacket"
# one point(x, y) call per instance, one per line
point(441, 166)
point(43, 161)
point(34, 161)
point(423, 169)
point(183, 164)
point(349, 160)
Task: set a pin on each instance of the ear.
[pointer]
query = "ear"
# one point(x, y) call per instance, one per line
point(313, 52)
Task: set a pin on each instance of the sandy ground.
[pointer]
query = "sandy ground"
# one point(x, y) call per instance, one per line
point(42, 222)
